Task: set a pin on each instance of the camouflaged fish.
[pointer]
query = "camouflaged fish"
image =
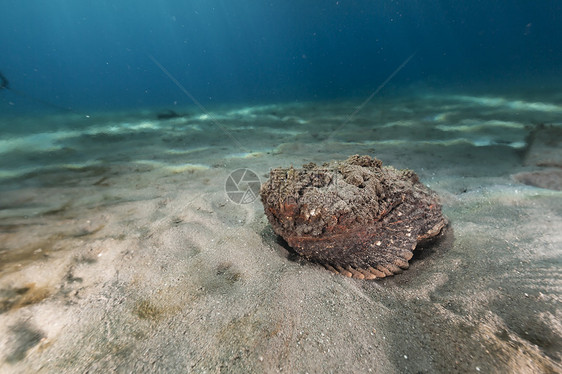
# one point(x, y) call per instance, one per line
point(354, 217)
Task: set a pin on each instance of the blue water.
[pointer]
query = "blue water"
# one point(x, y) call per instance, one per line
point(95, 56)
point(122, 249)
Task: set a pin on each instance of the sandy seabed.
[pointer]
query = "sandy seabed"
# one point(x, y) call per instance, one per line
point(120, 250)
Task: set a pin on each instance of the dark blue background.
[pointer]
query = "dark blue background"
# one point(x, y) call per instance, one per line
point(94, 55)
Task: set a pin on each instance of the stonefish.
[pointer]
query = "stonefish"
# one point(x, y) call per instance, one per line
point(354, 217)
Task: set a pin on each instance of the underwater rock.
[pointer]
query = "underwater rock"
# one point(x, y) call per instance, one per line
point(549, 178)
point(544, 146)
point(544, 153)
point(168, 114)
point(355, 217)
